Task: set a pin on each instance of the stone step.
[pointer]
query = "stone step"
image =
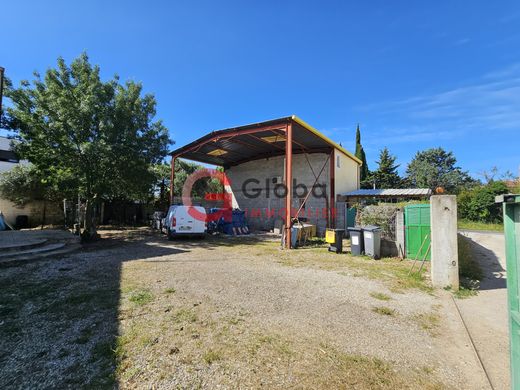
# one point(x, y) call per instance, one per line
point(37, 254)
point(21, 246)
point(32, 251)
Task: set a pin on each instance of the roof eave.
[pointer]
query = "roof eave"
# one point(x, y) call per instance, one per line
point(326, 139)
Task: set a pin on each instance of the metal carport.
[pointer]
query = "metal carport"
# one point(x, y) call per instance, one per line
point(282, 136)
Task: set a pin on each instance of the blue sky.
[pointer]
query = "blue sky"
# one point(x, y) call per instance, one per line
point(413, 74)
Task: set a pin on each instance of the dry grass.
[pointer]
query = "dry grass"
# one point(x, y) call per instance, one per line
point(383, 310)
point(380, 296)
point(223, 352)
point(161, 337)
point(429, 322)
point(392, 272)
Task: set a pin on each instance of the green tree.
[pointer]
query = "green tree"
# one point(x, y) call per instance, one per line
point(478, 203)
point(25, 183)
point(161, 190)
point(70, 123)
point(360, 153)
point(386, 176)
point(202, 186)
point(435, 168)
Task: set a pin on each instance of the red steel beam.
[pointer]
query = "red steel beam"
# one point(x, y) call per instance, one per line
point(332, 190)
point(229, 135)
point(172, 180)
point(288, 183)
point(295, 142)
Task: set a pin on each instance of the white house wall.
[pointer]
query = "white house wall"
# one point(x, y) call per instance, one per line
point(346, 174)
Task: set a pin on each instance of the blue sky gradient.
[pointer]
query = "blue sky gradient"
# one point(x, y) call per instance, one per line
point(413, 74)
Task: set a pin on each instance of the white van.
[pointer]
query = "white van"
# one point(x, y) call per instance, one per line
point(185, 220)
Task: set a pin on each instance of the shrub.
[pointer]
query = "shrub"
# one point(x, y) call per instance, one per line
point(478, 203)
point(382, 216)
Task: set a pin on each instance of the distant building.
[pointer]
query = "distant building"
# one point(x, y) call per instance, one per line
point(8, 159)
point(33, 210)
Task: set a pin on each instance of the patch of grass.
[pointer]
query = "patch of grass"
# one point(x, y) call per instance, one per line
point(141, 297)
point(383, 310)
point(185, 315)
point(211, 356)
point(472, 225)
point(170, 290)
point(270, 344)
point(391, 271)
point(346, 371)
point(380, 296)
point(428, 321)
point(464, 293)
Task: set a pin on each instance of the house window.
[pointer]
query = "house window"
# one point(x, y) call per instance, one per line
point(337, 161)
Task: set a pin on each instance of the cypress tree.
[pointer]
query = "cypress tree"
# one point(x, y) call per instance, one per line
point(360, 153)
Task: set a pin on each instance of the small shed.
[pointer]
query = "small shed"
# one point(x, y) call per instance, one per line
point(391, 195)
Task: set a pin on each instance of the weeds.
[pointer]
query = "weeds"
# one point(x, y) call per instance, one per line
point(380, 296)
point(211, 356)
point(463, 293)
point(141, 297)
point(386, 311)
point(428, 321)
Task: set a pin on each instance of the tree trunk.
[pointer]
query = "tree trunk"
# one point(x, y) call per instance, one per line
point(44, 213)
point(89, 232)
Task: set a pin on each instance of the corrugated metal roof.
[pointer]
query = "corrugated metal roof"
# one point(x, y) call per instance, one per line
point(391, 192)
point(258, 140)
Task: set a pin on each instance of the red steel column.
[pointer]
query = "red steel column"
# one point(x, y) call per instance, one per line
point(288, 184)
point(332, 189)
point(172, 180)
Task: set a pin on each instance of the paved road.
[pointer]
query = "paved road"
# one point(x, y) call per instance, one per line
point(486, 314)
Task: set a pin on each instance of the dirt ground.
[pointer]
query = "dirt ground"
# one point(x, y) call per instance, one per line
point(137, 311)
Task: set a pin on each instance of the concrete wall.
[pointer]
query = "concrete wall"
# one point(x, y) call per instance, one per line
point(444, 247)
point(34, 210)
point(267, 201)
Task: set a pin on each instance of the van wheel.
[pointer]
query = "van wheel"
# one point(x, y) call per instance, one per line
point(170, 236)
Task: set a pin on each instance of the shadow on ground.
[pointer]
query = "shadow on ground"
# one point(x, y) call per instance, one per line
point(493, 274)
point(59, 317)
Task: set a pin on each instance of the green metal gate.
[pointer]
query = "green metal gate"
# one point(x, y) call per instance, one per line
point(417, 228)
point(512, 236)
point(350, 217)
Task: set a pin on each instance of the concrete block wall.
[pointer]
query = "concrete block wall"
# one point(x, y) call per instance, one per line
point(267, 200)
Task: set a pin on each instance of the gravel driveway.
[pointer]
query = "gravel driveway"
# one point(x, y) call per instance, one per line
point(138, 311)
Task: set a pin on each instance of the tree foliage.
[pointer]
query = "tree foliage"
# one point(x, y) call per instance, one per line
point(386, 176)
point(23, 184)
point(99, 136)
point(435, 168)
point(478, 203)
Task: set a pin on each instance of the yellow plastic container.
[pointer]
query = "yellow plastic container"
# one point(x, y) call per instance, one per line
point(330, 236)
